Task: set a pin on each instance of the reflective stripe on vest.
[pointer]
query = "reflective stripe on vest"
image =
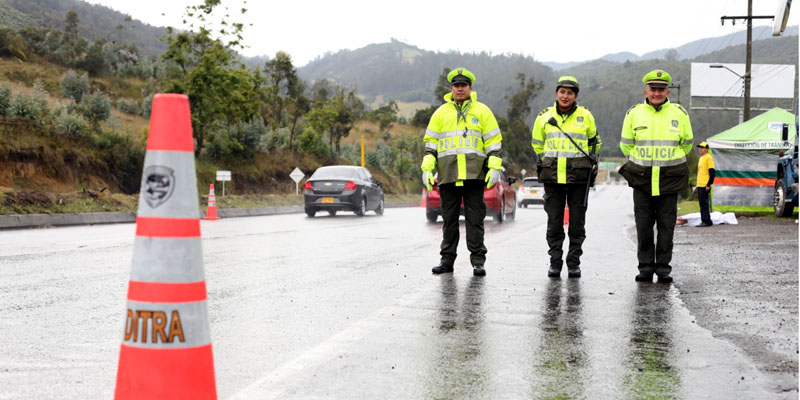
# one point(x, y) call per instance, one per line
point(557, 144)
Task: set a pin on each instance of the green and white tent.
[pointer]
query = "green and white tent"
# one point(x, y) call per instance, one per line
point(746, 161)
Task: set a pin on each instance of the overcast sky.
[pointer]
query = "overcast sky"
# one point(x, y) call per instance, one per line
point(559, 31)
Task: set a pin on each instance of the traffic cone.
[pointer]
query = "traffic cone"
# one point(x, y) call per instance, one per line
point(424, 202)
point(211, 211)
point(166, 346)
point(566, 214)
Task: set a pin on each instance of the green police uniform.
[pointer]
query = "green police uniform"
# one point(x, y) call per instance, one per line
point(463, 143)
point(564, 170)
point(656, 141)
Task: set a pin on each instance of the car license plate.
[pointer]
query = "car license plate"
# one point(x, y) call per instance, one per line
point(327, 199)
point(533, 191)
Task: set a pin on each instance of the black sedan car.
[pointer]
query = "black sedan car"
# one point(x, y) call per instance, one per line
point(343, 188)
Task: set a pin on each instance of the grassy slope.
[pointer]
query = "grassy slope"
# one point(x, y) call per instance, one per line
point(41, 172)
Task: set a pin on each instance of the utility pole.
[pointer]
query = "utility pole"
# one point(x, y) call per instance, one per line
point(749, 57)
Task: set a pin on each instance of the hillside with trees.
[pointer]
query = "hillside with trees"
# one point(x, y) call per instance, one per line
point(96, 22)
point(74, 102)
point(73, 114)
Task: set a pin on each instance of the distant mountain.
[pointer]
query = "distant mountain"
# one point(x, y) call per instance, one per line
point(704, 46)
point(402, 72)
point(689, 50)
point(620, 57)
point(94, 22)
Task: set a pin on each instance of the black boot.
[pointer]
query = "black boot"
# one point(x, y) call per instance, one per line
point(442, 268)
point(574, 272)
point(645, 273)
point(554, 271)
point(664, 278)
point(478, 270)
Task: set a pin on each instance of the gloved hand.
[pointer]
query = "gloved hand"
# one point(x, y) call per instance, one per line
point(492, 177)
point(428, 164)
point(495, 165)
point(427, 180)
point(538, 167)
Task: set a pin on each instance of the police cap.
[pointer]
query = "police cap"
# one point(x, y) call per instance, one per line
point(461, 75)
point(568, 82)
point(703, 145)
point(657, 78)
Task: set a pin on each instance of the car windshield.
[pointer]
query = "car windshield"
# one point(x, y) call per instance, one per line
point(344, 172)
point(531, 183)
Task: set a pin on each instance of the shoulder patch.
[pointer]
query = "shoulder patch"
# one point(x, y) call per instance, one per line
point(544, 111)
point(680, 107)
point(630, 109)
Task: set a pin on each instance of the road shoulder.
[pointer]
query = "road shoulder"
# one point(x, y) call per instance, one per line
point(741, 283)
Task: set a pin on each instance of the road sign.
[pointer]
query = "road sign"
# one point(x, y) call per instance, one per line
point(523, 172)
point(296, 176)
point(223, 176)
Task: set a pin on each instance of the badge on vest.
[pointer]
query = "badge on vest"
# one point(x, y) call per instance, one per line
point(674, 123)
point(580, 119)
point(474, 121)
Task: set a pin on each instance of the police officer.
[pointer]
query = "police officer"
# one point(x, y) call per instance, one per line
point(656, 136)
point(463, 143)
point(564, 136)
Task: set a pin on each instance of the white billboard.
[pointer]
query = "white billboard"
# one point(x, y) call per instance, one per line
point(725, 80)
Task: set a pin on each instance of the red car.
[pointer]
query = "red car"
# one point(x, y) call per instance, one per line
point(501, 201)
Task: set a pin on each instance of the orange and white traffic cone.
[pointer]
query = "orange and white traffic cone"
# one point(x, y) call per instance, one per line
point(566, 214)
point(211, 211)
point(166, 346)
point(424, 202)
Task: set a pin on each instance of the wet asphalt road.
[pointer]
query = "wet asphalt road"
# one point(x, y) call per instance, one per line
point(346, 307)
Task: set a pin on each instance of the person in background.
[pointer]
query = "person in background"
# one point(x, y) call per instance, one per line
point(705, 179)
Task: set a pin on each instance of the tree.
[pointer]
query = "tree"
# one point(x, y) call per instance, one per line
point(72, 45)
point(94, 61)
point(284, 98)
point(221, 91)
point(442, 86)
point(348, 108)
point(73, 86)
point(385, 115)
point(516, 133)
point(336, 116)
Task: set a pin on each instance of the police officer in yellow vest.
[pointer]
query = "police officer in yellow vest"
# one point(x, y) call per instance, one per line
point(463, 143)
point(656, 136)
point(564, 136)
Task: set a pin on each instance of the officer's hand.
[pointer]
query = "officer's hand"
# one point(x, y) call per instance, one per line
point(427, 180)
point(538, 168)
point(708, 188)
point(492, 177)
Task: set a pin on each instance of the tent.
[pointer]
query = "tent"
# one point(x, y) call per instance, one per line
point(746, 160)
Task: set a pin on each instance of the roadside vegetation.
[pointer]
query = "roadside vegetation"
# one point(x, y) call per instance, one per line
point(74, 119)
